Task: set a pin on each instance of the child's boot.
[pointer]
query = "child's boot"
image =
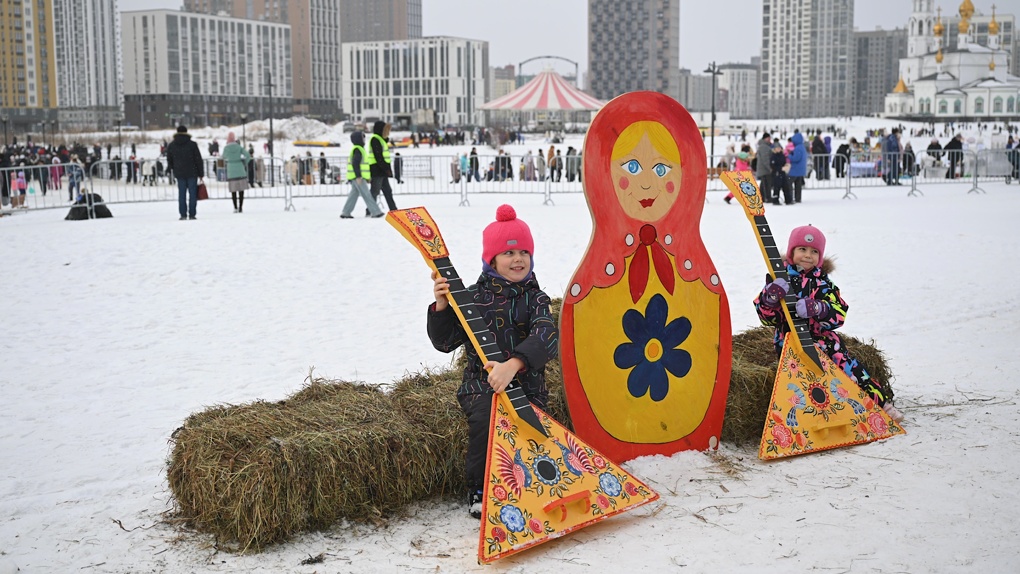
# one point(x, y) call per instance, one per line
point(475, 504)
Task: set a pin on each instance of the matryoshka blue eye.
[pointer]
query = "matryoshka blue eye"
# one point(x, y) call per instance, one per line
point(633, 167)
point(661, 169)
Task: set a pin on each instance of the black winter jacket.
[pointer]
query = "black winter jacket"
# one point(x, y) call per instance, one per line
point(184, 158)
point(527, 331)
point(381, 168)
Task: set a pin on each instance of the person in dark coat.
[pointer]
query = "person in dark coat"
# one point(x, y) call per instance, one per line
point(954, 150)
point(473, 166)
point(1013, 155)
point(763, 167)
point(841, 159)
point(820, 157)
point(251, 166)
point(934, 150)
point(379, 162)
point(5, 163)
point(184, 159)
point(780, 181)
point(909, 160)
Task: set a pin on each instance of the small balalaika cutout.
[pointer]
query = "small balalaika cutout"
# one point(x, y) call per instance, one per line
point(543, 481)
point(815, 406)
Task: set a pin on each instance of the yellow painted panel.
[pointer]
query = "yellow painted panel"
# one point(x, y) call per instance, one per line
point(599, 333)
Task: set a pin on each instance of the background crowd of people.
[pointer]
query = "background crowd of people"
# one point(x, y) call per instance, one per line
point(782, 167)
point(793, 155)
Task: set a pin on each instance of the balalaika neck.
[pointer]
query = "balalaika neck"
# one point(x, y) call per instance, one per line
point(801, 327)
point(483, 339)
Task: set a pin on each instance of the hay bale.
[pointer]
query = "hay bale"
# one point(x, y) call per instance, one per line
point(255, 474)
point(754, 371)
point(430, 398)
point(557, 407)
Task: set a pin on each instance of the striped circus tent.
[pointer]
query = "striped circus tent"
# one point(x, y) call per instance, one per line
point(547, 91)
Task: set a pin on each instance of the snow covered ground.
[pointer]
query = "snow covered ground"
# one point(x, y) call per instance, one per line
point(116, 330)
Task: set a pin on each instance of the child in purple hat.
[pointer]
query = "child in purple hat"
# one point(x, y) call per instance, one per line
point(819, 301)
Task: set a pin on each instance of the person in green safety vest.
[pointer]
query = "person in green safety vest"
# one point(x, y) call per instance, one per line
point(357, 174)
point(379, 162)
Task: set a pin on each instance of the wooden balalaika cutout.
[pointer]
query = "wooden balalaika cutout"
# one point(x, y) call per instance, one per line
point(543, 481)
point(815, 406)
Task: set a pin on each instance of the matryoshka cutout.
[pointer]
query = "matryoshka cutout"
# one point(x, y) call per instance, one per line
point(645, 325)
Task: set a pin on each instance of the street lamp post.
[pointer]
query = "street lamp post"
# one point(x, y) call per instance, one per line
point(4, 118)
point(43, 142)
point(120, 149)
point(269, 84)
point(715, 71)
point(244, 129)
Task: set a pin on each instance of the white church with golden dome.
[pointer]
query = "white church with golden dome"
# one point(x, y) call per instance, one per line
point(968, 81)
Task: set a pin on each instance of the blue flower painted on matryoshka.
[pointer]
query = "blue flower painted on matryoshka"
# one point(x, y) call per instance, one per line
point(652, 350)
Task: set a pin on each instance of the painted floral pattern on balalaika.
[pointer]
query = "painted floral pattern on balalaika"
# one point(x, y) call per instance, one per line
point(815, 406)
point(543, 480)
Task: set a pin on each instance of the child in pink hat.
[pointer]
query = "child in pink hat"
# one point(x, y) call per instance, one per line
point(819, 301)
point(516, 311)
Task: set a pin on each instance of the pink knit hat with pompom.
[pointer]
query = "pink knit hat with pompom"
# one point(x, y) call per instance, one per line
point(506, 233)
point(806, 236)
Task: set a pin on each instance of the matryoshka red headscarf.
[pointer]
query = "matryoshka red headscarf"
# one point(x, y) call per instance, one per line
point(616, 235)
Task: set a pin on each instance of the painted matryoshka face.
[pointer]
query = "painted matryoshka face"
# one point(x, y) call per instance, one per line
point(646, 181)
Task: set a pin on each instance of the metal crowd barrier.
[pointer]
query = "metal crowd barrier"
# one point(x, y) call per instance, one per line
point(913, 170)
point(280, 178)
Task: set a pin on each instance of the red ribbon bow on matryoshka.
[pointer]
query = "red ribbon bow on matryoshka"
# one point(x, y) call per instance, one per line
point(639, 265)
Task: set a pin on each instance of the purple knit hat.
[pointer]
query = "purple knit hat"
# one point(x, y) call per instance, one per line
point(806, 236)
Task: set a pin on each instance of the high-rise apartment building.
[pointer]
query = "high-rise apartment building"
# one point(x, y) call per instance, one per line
point(379, 20)
point(695, 92)
point(28, 75)
point(88, 63)
point(877, 60)
point(314, 50)
point(633, 45)
point(319, 28)
point(201, 70)
point(740, 82)
point(502, 81)
point(395, 81)
point(807, 58)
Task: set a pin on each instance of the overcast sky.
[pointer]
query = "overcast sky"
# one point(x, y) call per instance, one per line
point(719, 30)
